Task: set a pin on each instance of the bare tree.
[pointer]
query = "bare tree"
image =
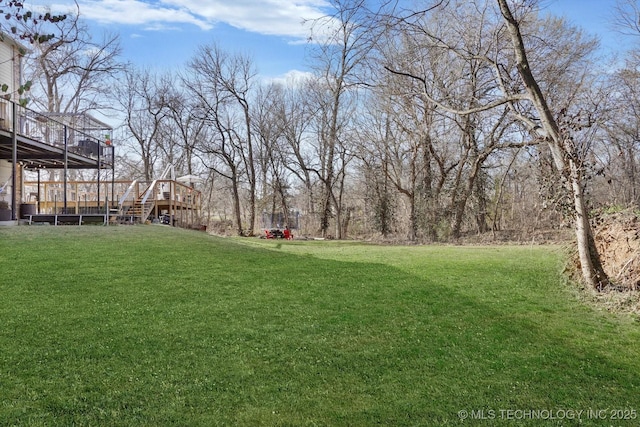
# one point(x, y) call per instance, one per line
point(220, 151)
point(438, 155)
point(185, 125)
point(295, 113)
point(227, 80)
point(143, 100)
point(620, 155)
point(71, 71)
point(338, 58)
point(374, 136)
point(626, 14)
point(269, 128)
point(513, 85)
point(396, 146)
point(564, 150)
point(25, 25)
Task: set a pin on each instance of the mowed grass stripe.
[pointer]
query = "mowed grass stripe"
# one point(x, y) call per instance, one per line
point(160, 326)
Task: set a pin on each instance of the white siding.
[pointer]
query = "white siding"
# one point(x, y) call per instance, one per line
point(10, 63)
point(6, 67)
point(5, 176)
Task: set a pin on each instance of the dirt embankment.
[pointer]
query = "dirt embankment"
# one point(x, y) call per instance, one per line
point(617, 237)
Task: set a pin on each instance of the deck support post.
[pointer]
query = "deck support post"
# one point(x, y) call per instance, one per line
point(66, 167)
point(14, 161)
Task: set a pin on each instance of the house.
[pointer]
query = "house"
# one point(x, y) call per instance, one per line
point(10, 72)
point(32, 142)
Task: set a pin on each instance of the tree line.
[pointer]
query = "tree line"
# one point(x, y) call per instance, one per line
point(425, 121)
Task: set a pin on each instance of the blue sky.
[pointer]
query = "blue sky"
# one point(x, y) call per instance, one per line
point(595, 16)
point(165, 34)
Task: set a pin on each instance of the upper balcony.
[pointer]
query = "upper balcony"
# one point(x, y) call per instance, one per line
point(39, 140)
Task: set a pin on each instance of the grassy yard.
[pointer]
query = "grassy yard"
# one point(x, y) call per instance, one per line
point(149, 325)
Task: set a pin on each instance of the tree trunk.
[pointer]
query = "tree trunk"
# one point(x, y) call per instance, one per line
point(251, 172)
point(460, 204)
point(481, 213)
point(413, 217)
point(236, 204)
point(592, 272)
point(326, 210)
point(590, 263)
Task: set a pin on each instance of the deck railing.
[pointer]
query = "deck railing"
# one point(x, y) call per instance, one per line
point(165, 197)
point(80, 133)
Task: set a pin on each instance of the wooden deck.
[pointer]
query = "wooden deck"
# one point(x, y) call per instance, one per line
point(126, 202)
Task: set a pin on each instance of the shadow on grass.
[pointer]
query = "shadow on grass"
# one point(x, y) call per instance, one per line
point(179, 327)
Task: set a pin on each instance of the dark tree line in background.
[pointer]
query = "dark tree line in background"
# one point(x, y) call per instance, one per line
point(426, 121)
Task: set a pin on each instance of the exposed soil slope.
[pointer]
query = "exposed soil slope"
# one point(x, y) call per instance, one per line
point(617, 238)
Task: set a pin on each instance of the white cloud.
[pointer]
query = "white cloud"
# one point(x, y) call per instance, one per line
point(291, 78)
point(269, 17)
point(134, 12)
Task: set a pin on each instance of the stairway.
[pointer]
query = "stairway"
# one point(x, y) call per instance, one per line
point(136, 214)
point(139, 212)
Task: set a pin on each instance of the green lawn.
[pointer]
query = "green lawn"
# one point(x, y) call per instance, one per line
point(156, 326)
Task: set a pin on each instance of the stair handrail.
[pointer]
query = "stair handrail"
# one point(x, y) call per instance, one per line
point(167, 170)
point(148, 191)
point(5, 185)
point(126, 193)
